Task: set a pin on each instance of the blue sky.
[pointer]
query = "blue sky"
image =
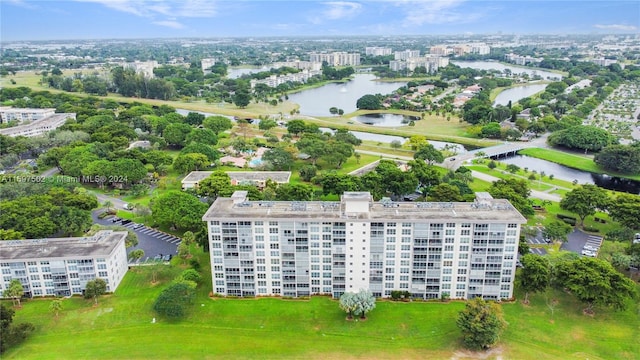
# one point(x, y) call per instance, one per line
point(106, 19)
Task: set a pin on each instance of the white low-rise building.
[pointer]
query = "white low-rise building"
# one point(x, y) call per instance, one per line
point(20, 115)
point(62, 266)
point(38, 127)
point(302, 248)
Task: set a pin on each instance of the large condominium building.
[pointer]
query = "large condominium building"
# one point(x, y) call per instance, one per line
point(336, 58)
point(462, 250)
point(62, 266)
point(38, 127)
point(430, 62)
point(207, 64)
point(377, 51)
point(275, 80)
point(19, 115)
point(298, 64)
point(406, 54)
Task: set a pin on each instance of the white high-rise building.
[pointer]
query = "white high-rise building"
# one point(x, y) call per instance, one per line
point(62, 266)
point(292, 248)
point(336, 58)
point(377, 51)
point(406, 54)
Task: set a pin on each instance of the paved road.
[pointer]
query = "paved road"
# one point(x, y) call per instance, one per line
point(578, 239)
point(534, 193)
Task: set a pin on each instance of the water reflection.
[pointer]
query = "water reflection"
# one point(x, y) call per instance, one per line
point(385, 119)
point(568, 174)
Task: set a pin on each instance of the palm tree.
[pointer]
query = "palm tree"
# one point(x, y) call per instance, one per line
point(56, 306)
point(108, 204)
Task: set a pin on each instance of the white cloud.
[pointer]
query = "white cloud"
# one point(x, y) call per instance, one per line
point(152, 8)
point(617, 27)
point(335, 10)
point(341, 9)
point(169, 23)
point(435, 12)
point(21, 3)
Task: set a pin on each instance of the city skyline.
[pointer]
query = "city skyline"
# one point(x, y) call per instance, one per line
point(126, 19)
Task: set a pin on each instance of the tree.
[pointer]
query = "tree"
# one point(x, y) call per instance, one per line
point(95, 288)
point(428, 153)
point(587, 138)
point(481, 323)
point(199, 148)
point(173, 300)
point(294, 192)
point(56, 306)
point(516, 191)
point(365, 302)
point(348, 304)
point(535, 274)
point(369, 102)
point(308, 172)
point(267, 124)
point(619, 158)
point(585, 200)
point(14, 291)
point(178, 210)
point(242, 99)
point(183, 251)
point(396, 144)
point(191, 275)
point(136, 254)
point(217, 123)
point(108, 204)
point(190, 162)
point(296, 127)
point(557, 230)
point(279, 158)
point(176, 134)
point(595, 282)
point(194, 118)
point(11, 334)
point(215, 185)
point(625, 209)
point(445, 193)
point(202, 136)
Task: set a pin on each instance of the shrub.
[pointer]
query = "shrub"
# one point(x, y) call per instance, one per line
point(591, 229)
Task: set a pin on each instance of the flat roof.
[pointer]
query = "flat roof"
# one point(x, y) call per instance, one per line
point(497, 210)
point(101, 244)
point(277, 176)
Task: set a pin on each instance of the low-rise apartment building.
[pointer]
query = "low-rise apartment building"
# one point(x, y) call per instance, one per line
point(62, 266)
point(292, 248)
point(38, 127)
point(20, 115)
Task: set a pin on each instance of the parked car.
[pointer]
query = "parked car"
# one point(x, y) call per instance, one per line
point(590, 248)
point(127, 207)
point(636, 238)
point(115, 219)
point(589, 253)
point(137, 226)
point(125, 221)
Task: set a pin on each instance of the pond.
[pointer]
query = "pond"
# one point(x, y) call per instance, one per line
point(517, 93)
point(318, 101)
point(234, 73)
point(493, 65)
point(568, 174)
point(385, 120)
point(387, 139)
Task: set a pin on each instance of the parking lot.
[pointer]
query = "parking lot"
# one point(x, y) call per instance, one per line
point(579, 241)
point(155, 243)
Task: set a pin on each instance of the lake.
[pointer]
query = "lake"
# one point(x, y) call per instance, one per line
point(517, 93)
point(385, 120)
point(492, 65)
point(316, 102)
point(568, 174)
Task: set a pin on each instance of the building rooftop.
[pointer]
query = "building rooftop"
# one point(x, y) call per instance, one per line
point(240, 176)
point(483, 209)
point(100, 244)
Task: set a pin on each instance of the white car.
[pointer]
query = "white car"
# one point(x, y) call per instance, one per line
point(590, 248)
point(589, 253)
point(127, 207)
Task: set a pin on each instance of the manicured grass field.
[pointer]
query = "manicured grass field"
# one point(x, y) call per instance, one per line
point(121, 327)
point(570, 160)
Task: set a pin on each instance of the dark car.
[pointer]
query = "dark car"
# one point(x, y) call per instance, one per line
point(126, 221)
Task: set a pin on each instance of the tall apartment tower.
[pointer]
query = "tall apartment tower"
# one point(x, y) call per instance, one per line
point(292, 248)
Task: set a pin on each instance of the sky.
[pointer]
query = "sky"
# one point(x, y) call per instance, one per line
point(122, 19)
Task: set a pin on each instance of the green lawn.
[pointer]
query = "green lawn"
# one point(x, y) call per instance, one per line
point(272, 328)
point(573, 161)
